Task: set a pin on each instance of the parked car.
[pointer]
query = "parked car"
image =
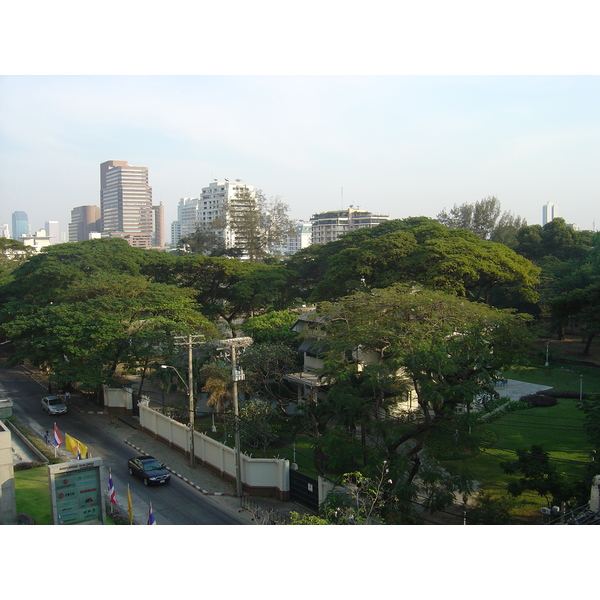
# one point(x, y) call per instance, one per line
point(148, 469)
point(53, 405)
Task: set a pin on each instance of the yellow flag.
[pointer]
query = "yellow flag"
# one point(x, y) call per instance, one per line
point(74, 445)
point(130, 506)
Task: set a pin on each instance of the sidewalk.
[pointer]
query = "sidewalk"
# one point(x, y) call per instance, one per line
point(255, 510)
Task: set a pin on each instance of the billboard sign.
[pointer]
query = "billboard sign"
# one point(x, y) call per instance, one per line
point(76, 492)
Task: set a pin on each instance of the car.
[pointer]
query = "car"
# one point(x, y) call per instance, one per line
point(149, 470)
point(53, 405)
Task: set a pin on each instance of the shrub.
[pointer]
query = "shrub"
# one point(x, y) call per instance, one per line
point(22, 466)
point(24, 519)
point(569, 394)
point(539, 400)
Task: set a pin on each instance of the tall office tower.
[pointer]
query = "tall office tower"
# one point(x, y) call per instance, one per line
point(158, 238)
point(85, 220)
point(20, 224)
point(4, 231)
point(52, 231)
point(549, 213)
point(329, 226)
point(126, 203)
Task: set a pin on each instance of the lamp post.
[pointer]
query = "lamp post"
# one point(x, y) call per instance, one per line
point(190, 390)
point(547, 361)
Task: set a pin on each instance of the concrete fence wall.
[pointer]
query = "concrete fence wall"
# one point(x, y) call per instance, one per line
point(260, 476)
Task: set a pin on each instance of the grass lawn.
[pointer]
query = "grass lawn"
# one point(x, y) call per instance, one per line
point(33, 494)
point(558, 429)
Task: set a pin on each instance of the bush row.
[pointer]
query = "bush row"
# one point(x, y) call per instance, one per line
point(539, 399)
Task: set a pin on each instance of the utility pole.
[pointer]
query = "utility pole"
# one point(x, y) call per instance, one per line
point(236, 375)
point(189, 341)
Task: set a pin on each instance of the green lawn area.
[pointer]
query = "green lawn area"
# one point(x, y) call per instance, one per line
point(33, 494)
point(557, 428)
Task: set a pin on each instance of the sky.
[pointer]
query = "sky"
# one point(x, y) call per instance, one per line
point(339, 121)
point(396, 145)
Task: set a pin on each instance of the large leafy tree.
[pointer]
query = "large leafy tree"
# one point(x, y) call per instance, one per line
point(225, 288)
point(82, 309)
point(423, 251)
point(447, 348)
point(484, 219)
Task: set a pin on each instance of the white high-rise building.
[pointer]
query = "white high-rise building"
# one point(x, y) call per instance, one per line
point(221, 208)
point(549, 213)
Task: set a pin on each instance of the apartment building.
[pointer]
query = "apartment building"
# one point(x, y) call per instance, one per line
point(329, 226)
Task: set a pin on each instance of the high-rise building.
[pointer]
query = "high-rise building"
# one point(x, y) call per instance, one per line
point(85, 220)
point(329, 226)
point(549, 213)
point(126, 203)
point(221, 208)
point(20, 224)
point(4, 231)
point(158, 226)
point(300, 238)
point(53, 232)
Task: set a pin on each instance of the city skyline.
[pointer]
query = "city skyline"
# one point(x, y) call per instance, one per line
point(398, 145)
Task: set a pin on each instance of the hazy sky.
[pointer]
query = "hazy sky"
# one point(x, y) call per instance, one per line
point(397, 145)
point(402, 112)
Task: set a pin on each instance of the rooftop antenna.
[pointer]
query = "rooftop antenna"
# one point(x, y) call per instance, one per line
point(342, 197)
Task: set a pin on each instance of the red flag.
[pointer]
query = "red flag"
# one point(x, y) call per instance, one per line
point(57, 439)
point(111, 488)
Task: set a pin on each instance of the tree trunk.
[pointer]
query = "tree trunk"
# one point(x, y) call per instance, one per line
point(588, 343)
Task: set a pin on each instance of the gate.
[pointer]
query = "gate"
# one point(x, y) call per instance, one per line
point(304, 490)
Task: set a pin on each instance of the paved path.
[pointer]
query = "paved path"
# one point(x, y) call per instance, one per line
point(517, 389)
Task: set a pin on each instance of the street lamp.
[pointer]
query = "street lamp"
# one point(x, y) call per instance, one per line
point(190, 390)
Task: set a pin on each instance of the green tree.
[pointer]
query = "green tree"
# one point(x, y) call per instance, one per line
point(448, 349)
point(265, 365)
point(417, 250)
point(259, 424)
point(538, 475)
point(483, 218)
point(272, 327)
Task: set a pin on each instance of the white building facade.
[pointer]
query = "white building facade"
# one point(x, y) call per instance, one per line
point(329, 226)
point(220, 207)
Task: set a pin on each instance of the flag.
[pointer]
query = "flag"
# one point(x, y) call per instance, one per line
point(130, 506)
point(79, 449)
point(111, 489)
point(151, 519)
point(57, 439)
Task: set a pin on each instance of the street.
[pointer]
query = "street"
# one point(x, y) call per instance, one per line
point(174, 504)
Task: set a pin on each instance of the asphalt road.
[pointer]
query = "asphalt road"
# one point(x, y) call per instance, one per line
point(175, 503)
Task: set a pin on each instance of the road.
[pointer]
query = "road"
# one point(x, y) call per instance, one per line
point(176, 503)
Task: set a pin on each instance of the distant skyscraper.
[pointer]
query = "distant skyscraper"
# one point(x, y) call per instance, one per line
point(52, 231)
point(158, 239)
point(20, 224)
point(548, 213)
point(126, 203)
point(4, 231)
point(85, 220)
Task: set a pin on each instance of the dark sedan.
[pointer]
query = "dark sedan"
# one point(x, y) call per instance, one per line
point(149, 470)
